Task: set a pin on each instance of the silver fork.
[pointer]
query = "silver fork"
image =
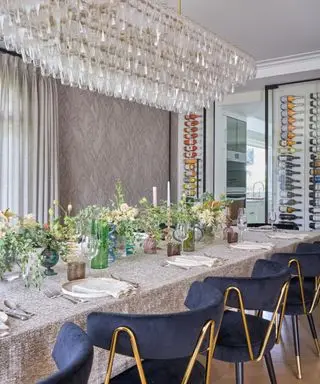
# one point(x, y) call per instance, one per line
point(54, 293)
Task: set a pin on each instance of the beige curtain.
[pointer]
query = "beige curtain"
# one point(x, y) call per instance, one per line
point(28, 139)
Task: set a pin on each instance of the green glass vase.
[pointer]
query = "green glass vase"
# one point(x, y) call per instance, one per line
point(189, 245)
point(101, 260)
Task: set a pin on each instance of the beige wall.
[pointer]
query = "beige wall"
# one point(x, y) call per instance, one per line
point(103, 139)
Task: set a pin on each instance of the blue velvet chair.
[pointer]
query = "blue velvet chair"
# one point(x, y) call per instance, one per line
point(304, 291)
point(73, 355)
point(168, 343)
point(243, 337)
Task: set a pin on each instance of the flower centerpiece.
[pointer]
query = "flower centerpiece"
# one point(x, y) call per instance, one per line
point(18, 249)
point(184, 214)
point(149, 221)
point(211, 213)
point(123, 217)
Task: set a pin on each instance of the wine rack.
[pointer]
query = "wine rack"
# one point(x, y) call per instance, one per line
point(314, 149)
point(290, 140)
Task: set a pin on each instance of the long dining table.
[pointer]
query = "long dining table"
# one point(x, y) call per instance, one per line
point(25, 355)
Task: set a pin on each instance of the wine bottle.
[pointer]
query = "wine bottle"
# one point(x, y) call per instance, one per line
point(314, 225)
point(315, 148)
point(315, 103)
point(283, 209)
point(287, 179)
point(314, 125)
point(314, 210)
point(315, 118)
point(292, 99)
point(292, 113)
point(314, 111)
point(297, 107)
point(289, 187)
point(315, 133)
point(289, 172)
point(290, 120)
point(315, 95)
point(192, 116)
point(315, 164)
point(285, 216)
point(288, 158)
point(288, 165)
point(290, 128)
point(289, 195)
point(315, 179)
point(314, 171)
point(314, 141)
point(314, 218)
point(289, 143)
point(290, 135)
point(314, 195)
point(289, 150)
point(289, 202)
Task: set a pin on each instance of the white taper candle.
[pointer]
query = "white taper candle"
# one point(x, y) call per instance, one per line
point(154, 196)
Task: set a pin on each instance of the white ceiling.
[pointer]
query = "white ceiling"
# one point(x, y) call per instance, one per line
point(265, 29)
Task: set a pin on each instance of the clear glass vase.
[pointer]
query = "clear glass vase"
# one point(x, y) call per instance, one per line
point(101, 260)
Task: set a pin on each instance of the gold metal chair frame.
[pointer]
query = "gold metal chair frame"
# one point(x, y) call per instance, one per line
point(315, 300)
point(281, 302)
point(316, 292)
point(209, 328)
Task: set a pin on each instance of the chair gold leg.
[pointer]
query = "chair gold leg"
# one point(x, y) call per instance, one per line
point(295, 328)
point(299, 367)
point(314, 332)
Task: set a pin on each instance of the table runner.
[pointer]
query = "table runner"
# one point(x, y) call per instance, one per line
point(25, 356)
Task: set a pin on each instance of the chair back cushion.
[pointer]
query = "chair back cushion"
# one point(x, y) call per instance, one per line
point(260, 291)
point(309, 262)
point(308, 248)
point(159, 336)
point(73, 355)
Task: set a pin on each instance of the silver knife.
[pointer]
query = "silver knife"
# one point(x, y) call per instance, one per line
point(16, 315)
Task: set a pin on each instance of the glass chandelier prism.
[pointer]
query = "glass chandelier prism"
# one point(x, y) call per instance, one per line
point(138, 50)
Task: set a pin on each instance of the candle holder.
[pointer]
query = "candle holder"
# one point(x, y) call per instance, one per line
point(173, 249)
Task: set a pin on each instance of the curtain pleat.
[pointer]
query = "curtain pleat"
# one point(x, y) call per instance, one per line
point(28, 139)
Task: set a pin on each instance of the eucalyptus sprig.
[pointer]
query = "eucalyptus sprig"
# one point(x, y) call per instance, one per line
point(182, 212)
point(150, 218)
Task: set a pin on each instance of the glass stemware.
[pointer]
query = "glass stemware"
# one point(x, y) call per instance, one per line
point(272, 219)
point(182, 233)
point(89, 248)
point(242, 222)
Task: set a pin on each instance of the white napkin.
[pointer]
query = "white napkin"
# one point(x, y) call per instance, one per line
point(103, 286)
point(252, 246)
point(288, 236)
point(189, 261)
point(3, 327)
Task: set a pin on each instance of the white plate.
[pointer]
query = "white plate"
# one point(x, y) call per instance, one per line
point(67, 288)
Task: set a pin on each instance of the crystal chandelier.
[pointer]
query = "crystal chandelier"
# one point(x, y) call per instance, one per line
point(139, 50)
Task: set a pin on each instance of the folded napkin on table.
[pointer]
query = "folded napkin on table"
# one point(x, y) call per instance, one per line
point(189, 261)
point(252, 245)
point(103, 286)
point(288, 236)
point(3, 327)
